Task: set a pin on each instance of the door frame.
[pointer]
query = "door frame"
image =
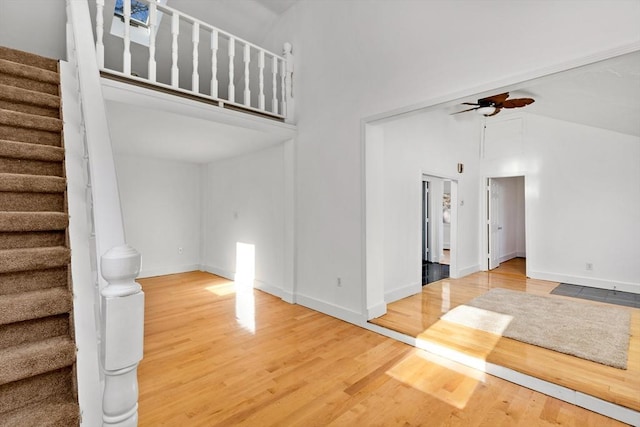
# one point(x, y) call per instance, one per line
point(486, 195)
point(453, 244)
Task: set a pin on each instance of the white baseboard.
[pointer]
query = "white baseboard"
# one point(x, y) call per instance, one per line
point(403, 292)
point(330, 309)
point(507, 257)
point(587, 281)
point(168, 270)
point(217, 271)
point(268, 288)
point(376, 311)
point(257, 284)
point(467, 271)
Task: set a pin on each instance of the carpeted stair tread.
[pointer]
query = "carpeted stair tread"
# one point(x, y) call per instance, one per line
point(19, 183)
point(30, 97)
point(30, 121)
point(33, 330)
point(27, 281)
point(23, 150)
point(23, 361)
point(32, 202)
point(44, 387)
point(12, 260)
point(33, 221)
point(27, 58)
point(29, 72)
point(43, 414)
point(34, 305)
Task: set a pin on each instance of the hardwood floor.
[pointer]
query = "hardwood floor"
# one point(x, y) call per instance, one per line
point(285, 365)
point(418, 316)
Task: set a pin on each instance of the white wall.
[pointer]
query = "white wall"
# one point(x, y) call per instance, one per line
point(582, 202)
point(161, 210)
point(36, 26)
point(244, 202)
point(431, 143)
point(358, 58)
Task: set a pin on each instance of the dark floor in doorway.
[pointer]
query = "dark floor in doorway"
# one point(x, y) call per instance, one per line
point(610, 296)
point(432, 272)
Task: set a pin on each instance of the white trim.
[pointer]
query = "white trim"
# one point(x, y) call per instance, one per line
point(329, 309)
point(168, 270)
point(268, 288)
point(376, 311)
point(468, 270)
point(257, 284)
point(507, 257)
point(229, 275)
point(84, 291)
point(587, 281)
point(403, 292)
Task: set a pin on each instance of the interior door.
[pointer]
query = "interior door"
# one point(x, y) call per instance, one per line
point(493, 223)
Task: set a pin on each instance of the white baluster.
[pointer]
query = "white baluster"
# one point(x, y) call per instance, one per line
point(153, 22)
point(282, 89)
point(126, 55)
point(247, 59)
point(214, 63)
point(261, 79)
point(287, 97)
point(175, 30)
point(232, 54)
point(122, 335)
point(195, 38)
point(274, 100)
point(100, 32)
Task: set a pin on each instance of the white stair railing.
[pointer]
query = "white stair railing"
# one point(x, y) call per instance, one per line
point(251, 81)
point(121, 314)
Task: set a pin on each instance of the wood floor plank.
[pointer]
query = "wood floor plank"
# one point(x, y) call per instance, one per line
point(298, 367)
point(419, 316)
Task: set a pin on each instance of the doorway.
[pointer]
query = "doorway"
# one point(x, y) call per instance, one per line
point(437, 215)
point(505, 219)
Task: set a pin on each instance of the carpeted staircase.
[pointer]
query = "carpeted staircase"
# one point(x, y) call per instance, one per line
point(37, 349)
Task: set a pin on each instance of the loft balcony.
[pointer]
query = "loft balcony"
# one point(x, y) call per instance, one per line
point(150, 44)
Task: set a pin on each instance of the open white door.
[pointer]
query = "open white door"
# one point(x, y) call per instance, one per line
point(493, 222)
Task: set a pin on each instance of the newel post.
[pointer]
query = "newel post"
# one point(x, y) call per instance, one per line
point(122, 335)
point(288, 83)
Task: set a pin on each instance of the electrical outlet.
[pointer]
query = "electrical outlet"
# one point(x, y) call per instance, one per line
point(588, 266)
point(339, 282)
point(180, 251)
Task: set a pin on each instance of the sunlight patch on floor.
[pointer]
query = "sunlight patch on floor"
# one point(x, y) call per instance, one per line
point(244, 278)
point(443, 379)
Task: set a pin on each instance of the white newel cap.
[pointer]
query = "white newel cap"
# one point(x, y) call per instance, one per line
point(120, 266)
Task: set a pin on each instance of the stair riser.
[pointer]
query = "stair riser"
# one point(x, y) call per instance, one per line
point(29, 109)
point(30, 167)
point(32, 136)
point(34, 330)
point(35, 389)
point(42, 239)
point(28, 59)
point(25, 83)
point(32, 202)
point(28, 281)
point(25, 151)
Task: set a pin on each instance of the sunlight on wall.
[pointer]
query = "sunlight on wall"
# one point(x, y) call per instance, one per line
point(244, 277)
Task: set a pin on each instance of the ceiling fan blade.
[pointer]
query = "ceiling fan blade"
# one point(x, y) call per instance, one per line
point(495, 99)
point(518, 102)
point(470, 103)
point(494, 113)
point(464, 111)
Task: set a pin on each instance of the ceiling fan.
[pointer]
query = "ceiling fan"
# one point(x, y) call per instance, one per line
point(491, 105)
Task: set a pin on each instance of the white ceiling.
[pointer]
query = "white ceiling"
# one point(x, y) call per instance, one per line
point(605, 94)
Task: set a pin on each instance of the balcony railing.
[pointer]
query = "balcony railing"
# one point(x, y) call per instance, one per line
point(164, 47)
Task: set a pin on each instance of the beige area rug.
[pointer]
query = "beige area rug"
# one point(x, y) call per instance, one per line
point(593, 332)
